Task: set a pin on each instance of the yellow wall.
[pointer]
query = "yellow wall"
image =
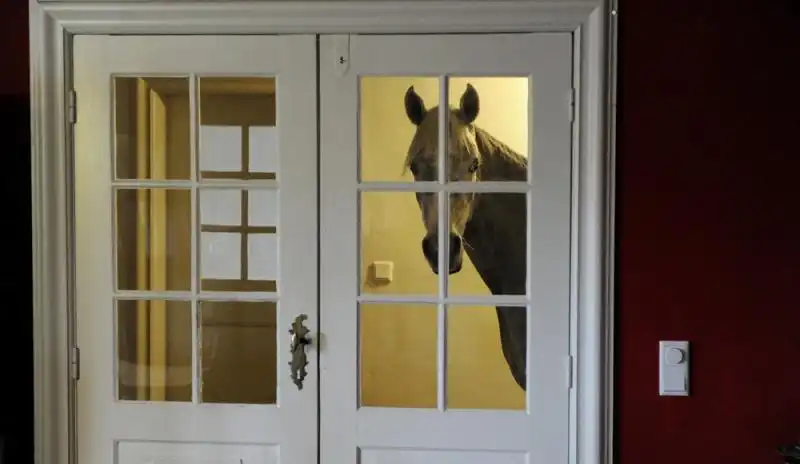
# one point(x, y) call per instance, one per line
point(399, 341)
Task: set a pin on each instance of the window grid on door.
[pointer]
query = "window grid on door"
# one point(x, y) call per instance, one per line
point(199, 290)
point(443, 188)
point(244, 229)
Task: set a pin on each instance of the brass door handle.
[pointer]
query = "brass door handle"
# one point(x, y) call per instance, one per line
point(300, 338)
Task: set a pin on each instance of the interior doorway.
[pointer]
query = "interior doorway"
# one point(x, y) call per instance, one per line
point(287, 242)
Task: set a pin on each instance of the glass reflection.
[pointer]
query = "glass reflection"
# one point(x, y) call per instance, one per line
point(154, 350)
point(239, 357)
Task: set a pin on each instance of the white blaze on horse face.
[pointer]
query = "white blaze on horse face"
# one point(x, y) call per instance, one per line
point(463, 157)
point(461, 205)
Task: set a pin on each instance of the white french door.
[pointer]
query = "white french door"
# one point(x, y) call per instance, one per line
point(439, 302)
point(413, 369)
point(195, 248)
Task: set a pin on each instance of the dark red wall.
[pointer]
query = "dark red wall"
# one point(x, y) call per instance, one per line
point(16, 335)
point(708, 226)
point(14, 39)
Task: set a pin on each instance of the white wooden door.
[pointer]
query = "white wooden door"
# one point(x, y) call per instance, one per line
point(195, 248)
point(413, 368)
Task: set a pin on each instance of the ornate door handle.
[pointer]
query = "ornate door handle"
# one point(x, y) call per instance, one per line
point(300, 339)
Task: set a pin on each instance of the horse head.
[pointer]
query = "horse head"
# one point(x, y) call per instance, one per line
point(462, 164)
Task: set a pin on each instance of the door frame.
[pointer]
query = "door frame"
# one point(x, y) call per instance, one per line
point(593, 23)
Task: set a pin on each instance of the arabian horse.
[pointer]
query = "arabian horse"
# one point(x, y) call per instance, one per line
point(489, 227)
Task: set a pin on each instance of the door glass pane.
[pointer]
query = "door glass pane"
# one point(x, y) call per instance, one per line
point(152, 136)
point(398, 355)
point(485, 354)
point(489, 135)
point(154, 350)
point(239, 357)
point(484, 247)
point(238, 239)
point(388, 121)
point(488, 132)
point(238, 134)
point(391, 245)
point(487, 246)
point(153, 239)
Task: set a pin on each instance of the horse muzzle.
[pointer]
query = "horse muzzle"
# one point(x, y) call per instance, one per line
point(430, 248)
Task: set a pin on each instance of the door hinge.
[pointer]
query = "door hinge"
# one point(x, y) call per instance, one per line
point(571, 102)
point(341, 50)
point(570, 371)
point(75, 363)
point(72, 106)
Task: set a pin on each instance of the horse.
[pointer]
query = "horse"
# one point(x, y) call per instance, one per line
point(490, 227)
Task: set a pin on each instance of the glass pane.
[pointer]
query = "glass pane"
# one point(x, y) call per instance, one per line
point(398, 355)
point(388, 122)
point(154, 239)
point(238, 133)
point(486, 352)
point(392, 260)
point(489, 133)
point(152, 135)
point(238, 239)
point(239, 360)
point(154, 343)
point(488, 244)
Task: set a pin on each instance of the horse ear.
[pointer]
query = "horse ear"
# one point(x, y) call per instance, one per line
point(470, 105)
point(415, 107)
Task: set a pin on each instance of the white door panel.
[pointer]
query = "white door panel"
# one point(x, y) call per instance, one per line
point(413, 369)
point(194, 181)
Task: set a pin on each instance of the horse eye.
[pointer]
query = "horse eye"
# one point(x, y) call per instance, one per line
point(474, 166)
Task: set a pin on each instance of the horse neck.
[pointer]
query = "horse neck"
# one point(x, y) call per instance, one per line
point(496, 231)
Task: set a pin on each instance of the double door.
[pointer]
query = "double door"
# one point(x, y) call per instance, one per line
point(234, 192)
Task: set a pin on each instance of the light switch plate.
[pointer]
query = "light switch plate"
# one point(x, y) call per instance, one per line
point(383, 271)
point(673, 368)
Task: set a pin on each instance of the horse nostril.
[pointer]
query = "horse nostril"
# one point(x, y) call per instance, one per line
point(455, 244)
point(430, 247)
point(455, 261)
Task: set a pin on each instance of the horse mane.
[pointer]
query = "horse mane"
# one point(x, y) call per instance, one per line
point(501, 161)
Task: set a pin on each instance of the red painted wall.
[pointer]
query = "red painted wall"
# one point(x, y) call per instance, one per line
point(14, 39)
point(16, 334)
point(708, 225)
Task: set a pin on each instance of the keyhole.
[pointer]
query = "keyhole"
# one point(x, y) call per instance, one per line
point(341, 60)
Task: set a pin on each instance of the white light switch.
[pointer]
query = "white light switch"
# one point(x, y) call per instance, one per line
point(673, 368)
point(382, 271)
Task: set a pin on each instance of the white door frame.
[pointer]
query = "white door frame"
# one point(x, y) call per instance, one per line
point(593, 23)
